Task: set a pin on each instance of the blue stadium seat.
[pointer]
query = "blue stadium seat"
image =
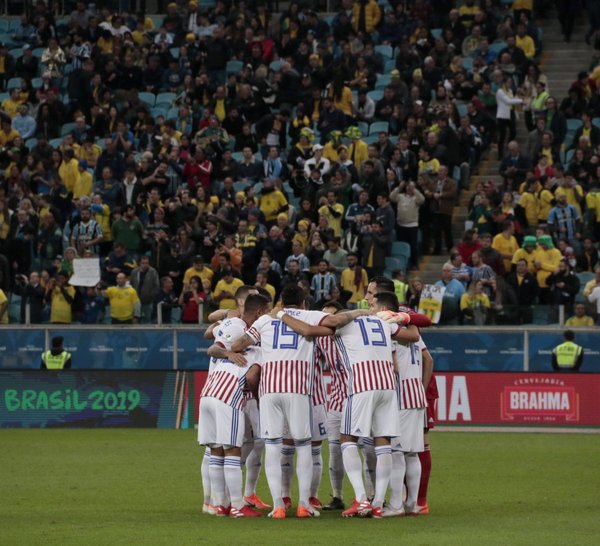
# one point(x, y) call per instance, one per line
point(55, 142)
point(67, 128)
point(376, 94)
point(147, 98)
point(16, 52)
point(237, 156)
point(14, 83)
point(174, 51)
point(173, 113)
point(400, 248)
point(497, 47)
point(378, 127)
point(573, 124)
point(165, 98)
point(37, 52)
point(275, 65)
point(371, 139)
point(382, 81)
point(364, 127)
point(596, 122)
point(390, 64)
point(385, 50)
point(31, 142)
point(436, 33)
point(233, 67)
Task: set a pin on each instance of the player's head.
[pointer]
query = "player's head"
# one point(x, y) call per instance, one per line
point(569, 335)
point(255, 306)
point(378, 284)
point(384, 301)
point(332, 307)
point(242, 293)
point(292, 296)
point(265, 293)
point(57, 342)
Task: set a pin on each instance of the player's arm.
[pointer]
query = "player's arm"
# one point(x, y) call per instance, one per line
point(209, 332)
point(219, 315)
point(427, 367)
point(339, 320)
point(420, 320)
point(217, 350)
point(242, 343)
point(407, 335)
point(305, 329)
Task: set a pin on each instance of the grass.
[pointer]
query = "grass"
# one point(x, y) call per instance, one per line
point(143, 487)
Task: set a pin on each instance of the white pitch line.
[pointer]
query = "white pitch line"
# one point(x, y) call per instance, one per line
point(549, 430)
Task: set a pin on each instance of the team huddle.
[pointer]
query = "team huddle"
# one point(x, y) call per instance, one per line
point(265, 392)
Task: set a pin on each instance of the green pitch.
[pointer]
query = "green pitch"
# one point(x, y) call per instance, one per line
point(143, 487)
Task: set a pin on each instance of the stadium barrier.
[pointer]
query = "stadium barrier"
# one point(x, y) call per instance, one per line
point(503, 349)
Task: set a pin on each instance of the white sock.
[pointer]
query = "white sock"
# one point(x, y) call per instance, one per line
point(232, 468)
point(317, 470)
point(205, 473)
point(413, 478)
point(287, 469)
point(253, 466)
point(384, 470)
point(217, 481)
point(336, 468)
point(397, 479)
point(273, 470)
point(304, 470)
point(369, 466)
point(353, 467)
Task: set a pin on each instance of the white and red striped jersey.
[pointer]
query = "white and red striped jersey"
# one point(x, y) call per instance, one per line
point(329, 355)
point(319, 396)
point(226, 383)
point(287, 357)
point(226, 380)
point(411, 393)
point(365, 346)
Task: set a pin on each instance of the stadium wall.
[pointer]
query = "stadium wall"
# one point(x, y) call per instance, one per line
point(184, 348)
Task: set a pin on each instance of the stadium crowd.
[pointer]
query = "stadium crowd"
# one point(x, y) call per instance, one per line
point(213, 147)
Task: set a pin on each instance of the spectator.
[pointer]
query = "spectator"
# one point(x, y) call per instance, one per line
point(564, 286)
point(125, 307)
point(522, 293)
point(580, 319)
point(145, 281)
point(443, 194)
point(60, 296)
point(354, 281)
point(225, 289)
point(453, 293)
point(475, 305)
point(408, 199)
point(165, 301)
point(191, 300)
point(322, 284)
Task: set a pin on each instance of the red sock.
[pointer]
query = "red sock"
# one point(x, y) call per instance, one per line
point(425, 458)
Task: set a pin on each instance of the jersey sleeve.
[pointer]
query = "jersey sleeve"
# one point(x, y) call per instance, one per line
point(255, 330)
point(316, 317)
point(228, 332)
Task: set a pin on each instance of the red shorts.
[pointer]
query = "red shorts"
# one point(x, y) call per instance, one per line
point(430, 413)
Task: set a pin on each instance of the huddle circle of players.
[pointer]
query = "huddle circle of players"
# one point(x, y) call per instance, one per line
point(264, 392)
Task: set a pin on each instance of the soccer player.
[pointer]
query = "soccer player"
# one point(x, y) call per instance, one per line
point(253, 445)
point(221, 419)
point(406, 467)
point(285, 389)
point(365, 346)
point(328, 355)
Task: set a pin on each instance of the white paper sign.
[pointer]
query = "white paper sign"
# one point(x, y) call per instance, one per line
point(430, 303)
point(86, 272)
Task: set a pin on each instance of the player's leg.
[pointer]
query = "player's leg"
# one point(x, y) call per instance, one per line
point(413, 477)
point(288, 450)
point(356, 410)
point(395, 506)
point(336, 465)
point(367, 447)
point(298, 410)
point(272, 424)
point(217, 480)
point(385, 426)
point(425, 459)
point(319, 429)
point(233, 480)
point(253, 459)
point(206, 436)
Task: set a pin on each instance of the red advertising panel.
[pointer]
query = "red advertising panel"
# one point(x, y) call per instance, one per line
point(518, 399)
point(507, 398)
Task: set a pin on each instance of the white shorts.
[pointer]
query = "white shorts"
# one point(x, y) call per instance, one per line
point(411, 439)
point(220, 425)
point(319, 423)
point(252, 420)
point(334, 424)
point(285, 414)
point(372, 414)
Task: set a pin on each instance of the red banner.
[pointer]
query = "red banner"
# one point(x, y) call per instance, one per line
point(506, 398)
point(518, 399)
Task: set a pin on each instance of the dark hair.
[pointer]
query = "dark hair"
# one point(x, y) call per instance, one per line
point(292, 296)
point(569, 335)
point(254, 302)
point(383, 284)
point(388, 300)
point(336, 304)
point(57, 341)
point(263, 291)
point(243, 292)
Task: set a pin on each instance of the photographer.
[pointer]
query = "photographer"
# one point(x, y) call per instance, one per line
point(60, 296)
